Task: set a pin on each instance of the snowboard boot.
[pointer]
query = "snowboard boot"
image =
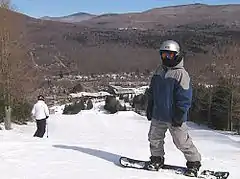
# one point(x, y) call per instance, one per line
point(156, 162)
point(192, 169)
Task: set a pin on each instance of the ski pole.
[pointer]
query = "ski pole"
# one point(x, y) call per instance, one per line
point(47, 129)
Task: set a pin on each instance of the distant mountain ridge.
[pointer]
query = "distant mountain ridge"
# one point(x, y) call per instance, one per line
point(158, 17)
point(72, 18)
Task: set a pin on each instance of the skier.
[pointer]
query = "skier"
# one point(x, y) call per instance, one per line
point(41, 112)
point(170, 96)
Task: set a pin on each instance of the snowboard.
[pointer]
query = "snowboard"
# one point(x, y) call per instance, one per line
point(140, 164)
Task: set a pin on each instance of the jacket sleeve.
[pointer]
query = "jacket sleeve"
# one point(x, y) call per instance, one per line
point(150, 101)
point(33, 110)
point(183, 96)
point(46, 110)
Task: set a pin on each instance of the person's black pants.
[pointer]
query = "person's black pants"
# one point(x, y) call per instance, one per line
point(41, 128)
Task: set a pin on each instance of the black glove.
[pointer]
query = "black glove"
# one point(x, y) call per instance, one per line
point(178, 118)
point(149, 110)
point(149, 116)
point(47, 117)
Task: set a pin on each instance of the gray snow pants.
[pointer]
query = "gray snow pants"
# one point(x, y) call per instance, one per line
point(180, 136)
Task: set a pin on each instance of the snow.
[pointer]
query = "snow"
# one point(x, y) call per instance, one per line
point(97, 94)
point(140, 90)
point(136, 91)
point(89, 144)
point(57, 109)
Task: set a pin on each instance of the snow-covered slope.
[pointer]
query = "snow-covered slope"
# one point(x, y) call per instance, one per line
point(89, 144)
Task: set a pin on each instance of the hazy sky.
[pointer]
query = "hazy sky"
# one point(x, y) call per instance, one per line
point(39, 8)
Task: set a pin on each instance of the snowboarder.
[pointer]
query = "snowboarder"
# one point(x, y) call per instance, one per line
point(41, 112)
point(170, 96)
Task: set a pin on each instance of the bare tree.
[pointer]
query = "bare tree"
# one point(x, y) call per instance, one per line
point(5, 66)
point(15, 75)
point(5, 4)
point(226, 60)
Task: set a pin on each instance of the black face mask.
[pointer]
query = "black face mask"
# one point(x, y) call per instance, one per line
point(169, 63)
point(172, 62)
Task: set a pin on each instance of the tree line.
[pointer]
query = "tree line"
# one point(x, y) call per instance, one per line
point(217, 106)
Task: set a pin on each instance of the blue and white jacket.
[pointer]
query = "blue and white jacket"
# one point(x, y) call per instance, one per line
point(170, 94)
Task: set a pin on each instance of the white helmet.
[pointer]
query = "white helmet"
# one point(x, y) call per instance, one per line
point(170, 53)
point(170, 45)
